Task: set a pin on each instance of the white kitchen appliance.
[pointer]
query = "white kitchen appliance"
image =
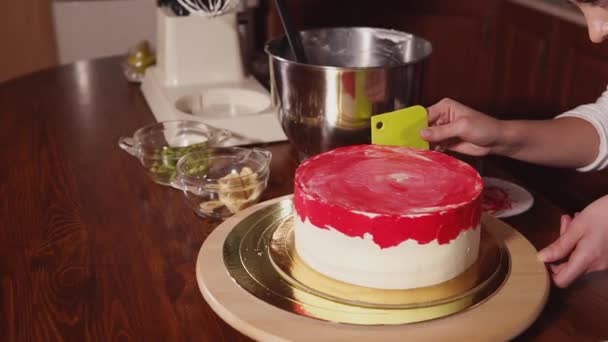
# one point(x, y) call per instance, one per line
point(200, 75)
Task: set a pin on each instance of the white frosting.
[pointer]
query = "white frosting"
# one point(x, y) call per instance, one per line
point(362, 262)
point(399, 177)
point(366, 214)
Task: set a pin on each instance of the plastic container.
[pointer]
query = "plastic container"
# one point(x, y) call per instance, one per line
point(220, 182)
point(159, 146)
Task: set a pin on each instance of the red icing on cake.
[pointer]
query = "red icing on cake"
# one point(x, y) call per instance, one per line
point(392, 193)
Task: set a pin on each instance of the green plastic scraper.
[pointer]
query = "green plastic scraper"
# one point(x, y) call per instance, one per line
point(400, 128)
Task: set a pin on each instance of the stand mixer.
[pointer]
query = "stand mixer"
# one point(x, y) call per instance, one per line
point(200, 74)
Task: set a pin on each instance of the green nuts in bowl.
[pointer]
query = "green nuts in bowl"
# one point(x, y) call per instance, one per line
point(159, 146)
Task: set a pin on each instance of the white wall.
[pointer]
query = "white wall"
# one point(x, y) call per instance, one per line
point(88, 29)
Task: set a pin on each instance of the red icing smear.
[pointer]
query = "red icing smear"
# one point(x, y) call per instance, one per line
point(406, 193)
point(495, 199)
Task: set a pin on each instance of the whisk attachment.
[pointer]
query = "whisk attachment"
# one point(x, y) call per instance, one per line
point(208, 8)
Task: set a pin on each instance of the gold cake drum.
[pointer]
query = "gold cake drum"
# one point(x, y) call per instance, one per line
point(259, 254)
point(250, 275)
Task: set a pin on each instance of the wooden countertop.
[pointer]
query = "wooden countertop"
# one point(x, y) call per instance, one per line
point(90, 249)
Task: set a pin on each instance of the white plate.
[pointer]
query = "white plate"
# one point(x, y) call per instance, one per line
point(516, 199)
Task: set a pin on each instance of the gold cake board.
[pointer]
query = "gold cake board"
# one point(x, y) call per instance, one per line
point(502, 316)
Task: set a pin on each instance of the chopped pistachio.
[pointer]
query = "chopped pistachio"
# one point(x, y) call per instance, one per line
point(166, 159)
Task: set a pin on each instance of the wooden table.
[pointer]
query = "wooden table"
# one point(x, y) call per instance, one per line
point(90, 249)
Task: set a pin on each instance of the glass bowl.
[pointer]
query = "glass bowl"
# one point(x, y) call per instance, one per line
point(219, 182)
point(159, 146)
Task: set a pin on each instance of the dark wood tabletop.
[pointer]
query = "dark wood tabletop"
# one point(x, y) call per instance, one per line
point(90, 249)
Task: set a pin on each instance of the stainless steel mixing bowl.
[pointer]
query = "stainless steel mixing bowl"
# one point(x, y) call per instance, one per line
point(352, 74)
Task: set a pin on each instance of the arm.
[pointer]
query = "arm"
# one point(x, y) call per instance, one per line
point(563, 142)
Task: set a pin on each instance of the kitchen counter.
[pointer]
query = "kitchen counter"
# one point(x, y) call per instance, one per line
point(90, 249)
point(559, 8)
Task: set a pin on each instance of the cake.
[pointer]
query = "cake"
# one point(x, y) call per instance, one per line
point(387, 217)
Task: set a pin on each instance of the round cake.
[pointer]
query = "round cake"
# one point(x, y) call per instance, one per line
point(387, 217)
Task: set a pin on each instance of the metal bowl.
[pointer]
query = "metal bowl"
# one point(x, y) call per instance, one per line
point(352, 74)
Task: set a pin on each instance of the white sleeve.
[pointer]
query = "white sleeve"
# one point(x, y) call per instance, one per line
point(596, 114)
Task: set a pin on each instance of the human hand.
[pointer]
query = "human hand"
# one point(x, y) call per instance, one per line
point(583, 242)
point(459, 128)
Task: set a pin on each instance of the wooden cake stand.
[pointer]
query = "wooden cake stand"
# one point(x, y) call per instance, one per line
point(504, 314)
